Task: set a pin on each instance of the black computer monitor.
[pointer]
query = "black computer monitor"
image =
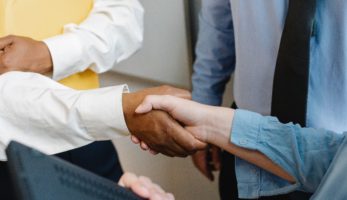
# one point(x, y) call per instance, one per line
point(36, 176)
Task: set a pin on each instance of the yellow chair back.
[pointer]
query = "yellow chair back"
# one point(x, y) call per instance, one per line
point(40, 19)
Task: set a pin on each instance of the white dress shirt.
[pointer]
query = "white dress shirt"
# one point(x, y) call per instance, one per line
point(111, 33)
point(42, 113)
point(50, 117)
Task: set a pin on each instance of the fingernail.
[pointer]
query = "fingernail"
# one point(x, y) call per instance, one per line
point(139, 109)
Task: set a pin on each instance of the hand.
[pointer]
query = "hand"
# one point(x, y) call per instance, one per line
point(208, 124)
point(207, 161)
point(157, 129)
point(144, 187)
point(211, 125)
point(24, 54)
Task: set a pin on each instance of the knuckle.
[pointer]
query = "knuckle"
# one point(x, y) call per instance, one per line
point(166, 88)
point(11, 37)
point(6, 61)
point(147, 98)
point(166, 97)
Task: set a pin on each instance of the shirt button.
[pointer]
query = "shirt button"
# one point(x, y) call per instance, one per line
point(243, 142)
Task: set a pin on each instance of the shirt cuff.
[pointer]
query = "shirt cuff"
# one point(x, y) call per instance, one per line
point(66, 52)
point(253, 181)
point(245, 129)
point(102, 112)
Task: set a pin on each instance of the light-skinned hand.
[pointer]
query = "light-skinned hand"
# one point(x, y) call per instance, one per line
point(208, 124)
point(144, 187)
point(207, 161)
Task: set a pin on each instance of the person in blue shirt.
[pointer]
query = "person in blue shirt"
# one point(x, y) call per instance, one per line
point(242, 37)
point(309, 159)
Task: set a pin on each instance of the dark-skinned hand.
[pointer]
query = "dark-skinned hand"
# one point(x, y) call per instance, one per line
point(24, 54)
point(207, 161)
point(157, 129)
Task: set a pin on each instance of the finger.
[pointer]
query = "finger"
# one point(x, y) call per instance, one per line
point(156, 196)
point(144, 107)
point(170, 149)
point(177, 92)
point(174, 151)
point(127, 179)
point(141, 147)
point(157, 191)
point(144, 146)
point(130, 180)
point(200, 160)
point(170, 196)
point(134, 139)
point(185, 139)
point(159, 102)
point(215, 157)
point(153, 152)
point(141, 190)
point(158, 188)
point(145, 180)
point(6, 41)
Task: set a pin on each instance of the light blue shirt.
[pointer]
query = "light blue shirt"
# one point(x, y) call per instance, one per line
point(243, 37)
point(305, 153)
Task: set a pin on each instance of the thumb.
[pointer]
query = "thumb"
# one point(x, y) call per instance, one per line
point(144, 107)
point(159, 102)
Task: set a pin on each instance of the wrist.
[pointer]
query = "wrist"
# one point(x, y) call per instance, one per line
point(220, 124)
point(130, 101)
point(46, 63)
point(127, 108)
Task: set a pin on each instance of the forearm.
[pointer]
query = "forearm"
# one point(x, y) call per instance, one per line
point(221, 138)
point(305, 153)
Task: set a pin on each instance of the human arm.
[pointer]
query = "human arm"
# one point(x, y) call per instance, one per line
point(144, 187)
point(257, 139)
point(214, 63)
point(208, 124)
point(44, 114)
point(111, 33)
point(215, 52)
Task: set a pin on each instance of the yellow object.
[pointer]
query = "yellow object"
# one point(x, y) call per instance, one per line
point(40, 19)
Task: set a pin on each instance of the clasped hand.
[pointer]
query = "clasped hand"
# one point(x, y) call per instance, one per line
point(191, 125)
point(159, 131)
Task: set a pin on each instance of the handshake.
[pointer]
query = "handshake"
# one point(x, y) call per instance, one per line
point(164, 120)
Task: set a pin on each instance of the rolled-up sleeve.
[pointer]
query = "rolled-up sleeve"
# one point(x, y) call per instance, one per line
point(305, 153)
